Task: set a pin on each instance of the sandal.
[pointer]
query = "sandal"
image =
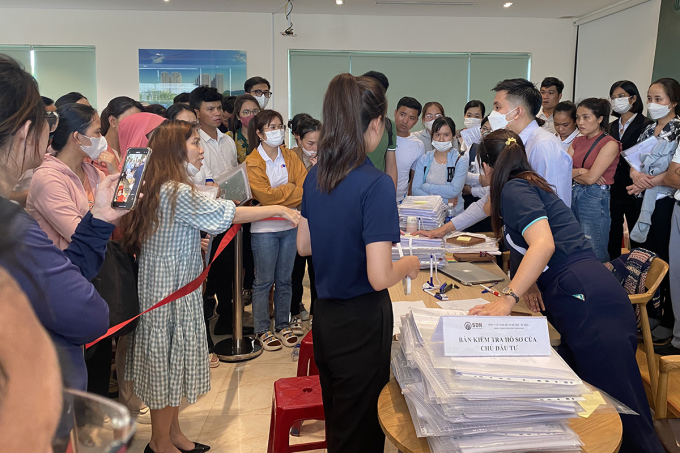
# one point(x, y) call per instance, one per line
point(287, 337)
point(214, 360)
point(269, 342)
point(296, 326)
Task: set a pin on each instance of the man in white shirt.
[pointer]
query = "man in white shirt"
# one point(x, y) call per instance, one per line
point(517, 101)
point(551, 93)
point(218, 158)
point(219, 149)
point(409, 147)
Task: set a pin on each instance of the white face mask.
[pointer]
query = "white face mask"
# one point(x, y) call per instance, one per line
point(263, 101)
point(191, 169)
point(442, 146)
point(472, 122)
point(98, 146)
point(621, 105)
point(428, 125)
point(658, 111)
point(309, 153)
point(497, 120)
point(274, 138)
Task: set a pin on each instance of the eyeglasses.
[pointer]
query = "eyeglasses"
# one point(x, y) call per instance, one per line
point(620, 96)
point(52, 120)
point(432, 116)
point(258, 93)
point(280, 127)
point(250, 112)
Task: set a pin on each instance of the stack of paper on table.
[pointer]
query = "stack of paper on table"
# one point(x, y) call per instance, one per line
point(490, 245)
point(429, 209)
point(484, 404)
point(423, 248)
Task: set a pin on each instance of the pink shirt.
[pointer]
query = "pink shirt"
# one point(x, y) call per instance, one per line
point(581, 146)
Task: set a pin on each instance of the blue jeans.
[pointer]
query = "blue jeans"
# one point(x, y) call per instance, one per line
point(590, 205)
point(274, 256)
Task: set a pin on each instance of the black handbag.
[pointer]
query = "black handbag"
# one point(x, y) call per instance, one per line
point(117, 284)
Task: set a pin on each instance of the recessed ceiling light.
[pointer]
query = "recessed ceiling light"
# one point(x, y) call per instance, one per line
point(338, 2)
point(507, 5)
point(166, 1)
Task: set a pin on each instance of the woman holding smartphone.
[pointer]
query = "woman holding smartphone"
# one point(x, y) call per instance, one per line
point(349, 222)
point(168, 354)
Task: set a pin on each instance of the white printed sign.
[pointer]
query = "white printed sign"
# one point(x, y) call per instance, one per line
point(493, 336)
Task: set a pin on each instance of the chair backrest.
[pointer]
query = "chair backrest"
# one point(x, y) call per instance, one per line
point(667, 365)
point(657, 272)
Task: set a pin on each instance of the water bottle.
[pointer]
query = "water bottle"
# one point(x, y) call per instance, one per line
point(295, 355)
point(450, 213)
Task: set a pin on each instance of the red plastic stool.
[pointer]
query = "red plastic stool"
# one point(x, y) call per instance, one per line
point(306, 365)
point(295, 399)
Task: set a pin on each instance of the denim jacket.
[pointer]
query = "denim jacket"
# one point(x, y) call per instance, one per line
point(456, 166)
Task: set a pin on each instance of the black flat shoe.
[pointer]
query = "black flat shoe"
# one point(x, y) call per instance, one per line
point(148, 449)
point(198, 448)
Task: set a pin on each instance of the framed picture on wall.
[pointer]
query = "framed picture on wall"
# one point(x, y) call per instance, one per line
point(165, 73)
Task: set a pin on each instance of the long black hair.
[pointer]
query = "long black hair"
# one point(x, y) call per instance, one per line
point(503, 150)
point(72, 118)
point(349, 106)
point(116, 107)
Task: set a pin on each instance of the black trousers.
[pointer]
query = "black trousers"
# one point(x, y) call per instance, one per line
point(592, 313)
point(302, 262)
point(221, 279)
point(621, 205)
point(98, 363)
point(248, 260)
point(657, 241)
point(353, 368)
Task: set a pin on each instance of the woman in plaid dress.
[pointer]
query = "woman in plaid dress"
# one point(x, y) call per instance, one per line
point(168, 353)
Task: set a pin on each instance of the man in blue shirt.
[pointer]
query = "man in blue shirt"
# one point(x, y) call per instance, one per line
point(516, 105)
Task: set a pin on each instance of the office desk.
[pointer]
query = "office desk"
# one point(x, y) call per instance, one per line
point(465, 292)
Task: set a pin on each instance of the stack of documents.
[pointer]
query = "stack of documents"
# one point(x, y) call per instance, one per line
point(423, 248)
point(430, 210)
point(484, 404)
point(490, 245)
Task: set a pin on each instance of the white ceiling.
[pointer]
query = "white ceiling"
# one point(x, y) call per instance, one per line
point(482, 8)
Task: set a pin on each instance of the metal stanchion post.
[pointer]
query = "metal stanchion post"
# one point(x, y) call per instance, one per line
point(238, 348)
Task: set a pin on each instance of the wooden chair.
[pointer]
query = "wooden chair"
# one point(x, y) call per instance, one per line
point(668, 429)
point(657, 272)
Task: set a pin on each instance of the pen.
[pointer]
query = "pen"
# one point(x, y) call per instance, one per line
point(495, 293)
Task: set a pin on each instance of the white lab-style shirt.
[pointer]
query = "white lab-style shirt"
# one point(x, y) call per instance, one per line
point(409, 149)
point(219, 155)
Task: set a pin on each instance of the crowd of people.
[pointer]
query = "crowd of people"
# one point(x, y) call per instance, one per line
point(546, 175)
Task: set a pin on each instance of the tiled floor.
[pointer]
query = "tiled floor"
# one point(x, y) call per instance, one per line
point(234, 416)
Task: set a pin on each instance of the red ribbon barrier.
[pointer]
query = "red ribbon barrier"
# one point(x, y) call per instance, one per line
point(183, 291)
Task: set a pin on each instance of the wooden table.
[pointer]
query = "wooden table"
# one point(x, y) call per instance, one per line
point(465, 292)
point(600, 433)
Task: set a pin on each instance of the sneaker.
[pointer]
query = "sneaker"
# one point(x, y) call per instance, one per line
point(304, 314)
point(296, 326)
point(214, 360)
point(269, 342)
point(287, 337)
point(144, 416)
point(668, 349)
point(247, 297)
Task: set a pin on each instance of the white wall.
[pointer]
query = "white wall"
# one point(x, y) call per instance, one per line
point(617, 47)
point(117, 36)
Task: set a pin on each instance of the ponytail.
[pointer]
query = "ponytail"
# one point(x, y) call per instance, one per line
point(350, 104)
point(503, 150)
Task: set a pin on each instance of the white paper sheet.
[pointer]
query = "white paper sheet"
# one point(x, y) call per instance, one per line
point(401, 308)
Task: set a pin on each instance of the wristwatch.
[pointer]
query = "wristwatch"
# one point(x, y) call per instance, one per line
point(507, 291)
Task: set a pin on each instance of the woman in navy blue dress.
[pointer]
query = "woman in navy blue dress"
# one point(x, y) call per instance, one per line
point(560, 274)
point(350, 220)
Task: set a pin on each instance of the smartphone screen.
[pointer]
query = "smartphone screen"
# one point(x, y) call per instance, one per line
point(131, 178)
